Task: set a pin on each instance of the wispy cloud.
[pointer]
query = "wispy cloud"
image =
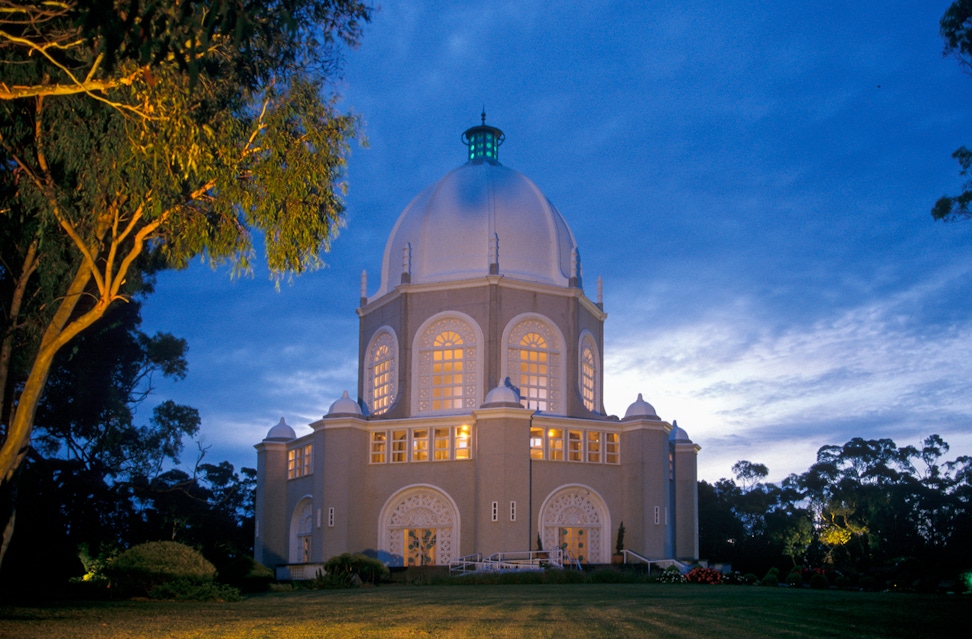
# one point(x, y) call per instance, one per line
point(868, 371)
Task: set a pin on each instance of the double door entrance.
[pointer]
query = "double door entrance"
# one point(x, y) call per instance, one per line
point(419, 545)
point(574, 542)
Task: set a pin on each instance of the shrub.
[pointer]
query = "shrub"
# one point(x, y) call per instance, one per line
point(700, 575)
point(736, 578)
point(141, 568)
point(670, 575)
point(344, 566)
point(608, 576)
point(868, 582)
point(794, 579)
point(247, 574)
point(819, 581)
point(191, 590)
point(770, 580)
point(840, 582)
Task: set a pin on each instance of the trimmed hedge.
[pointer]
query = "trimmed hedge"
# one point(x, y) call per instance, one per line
point(343, 567)
point(140, 569)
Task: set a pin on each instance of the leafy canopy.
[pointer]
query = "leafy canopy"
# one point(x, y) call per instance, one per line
point(956, 30)
point(134, 132)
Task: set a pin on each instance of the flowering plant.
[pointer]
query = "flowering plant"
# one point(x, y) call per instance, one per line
point(701, 575)
point(671, 576)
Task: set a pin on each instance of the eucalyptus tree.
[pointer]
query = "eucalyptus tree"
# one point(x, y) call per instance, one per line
point(176, 129)
point(956, 30)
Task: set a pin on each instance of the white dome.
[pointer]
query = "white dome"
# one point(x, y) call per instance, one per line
point(281, 432)
point(344, 406)
point(448, 231)
point(678, 434)
point(502, 394)
point(640, 409)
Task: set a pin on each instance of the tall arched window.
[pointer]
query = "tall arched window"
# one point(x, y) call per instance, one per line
point(447, 366)
point(447, 371)
point(381, 386)
point(533, 371)
point(589, 369)
point(533, 363)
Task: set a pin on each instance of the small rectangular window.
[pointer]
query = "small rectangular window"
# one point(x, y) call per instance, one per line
point(300, 461)
point(399, 446)
point(495, 512)
point(611, 448)
point(593, 447)
point(440, 449)
point(330, 517)
point(512, 511)
point(420, 444)
point(575, 446)
point(462, 442)
point(379, 447)
point(555, 444)
point(657, 515)
point(536, 443)
point(308, 459)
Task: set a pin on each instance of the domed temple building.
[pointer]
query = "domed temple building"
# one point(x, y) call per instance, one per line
point(478, 424)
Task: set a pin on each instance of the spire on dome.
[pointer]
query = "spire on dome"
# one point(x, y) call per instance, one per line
point(483, 142)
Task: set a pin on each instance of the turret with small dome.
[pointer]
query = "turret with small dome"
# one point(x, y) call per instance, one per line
point(280, 432)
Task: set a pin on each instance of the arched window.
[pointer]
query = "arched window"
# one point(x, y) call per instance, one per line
point(447, 366)
point(589, 373)
point(447, 371)
point(381, 387)
point(533, 364)
point(533, 371)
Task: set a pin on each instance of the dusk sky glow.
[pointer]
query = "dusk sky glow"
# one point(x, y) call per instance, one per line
point(752, 180)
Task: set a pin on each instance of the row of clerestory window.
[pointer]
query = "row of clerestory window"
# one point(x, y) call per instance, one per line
point(401, 445)
point(446, 372)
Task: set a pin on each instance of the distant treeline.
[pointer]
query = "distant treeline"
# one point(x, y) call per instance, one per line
point(902, 515)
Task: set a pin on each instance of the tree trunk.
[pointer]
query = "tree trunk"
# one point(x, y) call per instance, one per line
point(60, 331)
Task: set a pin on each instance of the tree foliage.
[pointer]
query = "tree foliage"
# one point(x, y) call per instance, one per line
point(136, 131)
point(865, 507)
point(956, 30)
point(104, 472)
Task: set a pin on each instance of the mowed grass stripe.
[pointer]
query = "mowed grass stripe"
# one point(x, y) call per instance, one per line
point(567, 611)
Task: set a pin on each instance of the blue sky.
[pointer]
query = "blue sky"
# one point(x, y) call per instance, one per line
point(752, 180)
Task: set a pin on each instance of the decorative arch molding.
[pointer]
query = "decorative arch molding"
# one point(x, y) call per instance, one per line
point(589, 371)
point(381, 371)
point(419, 507)
point(301, 529)
point(423, 365)
point(575, 506)
point(516, 330)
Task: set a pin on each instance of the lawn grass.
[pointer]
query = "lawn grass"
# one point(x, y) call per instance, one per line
point(581, 610)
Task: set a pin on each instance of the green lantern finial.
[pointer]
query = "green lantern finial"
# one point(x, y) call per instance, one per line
point(483, 142)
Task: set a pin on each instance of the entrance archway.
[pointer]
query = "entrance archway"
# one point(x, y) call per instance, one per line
point(576, 520)
point(419, 526)
point(301, 529)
